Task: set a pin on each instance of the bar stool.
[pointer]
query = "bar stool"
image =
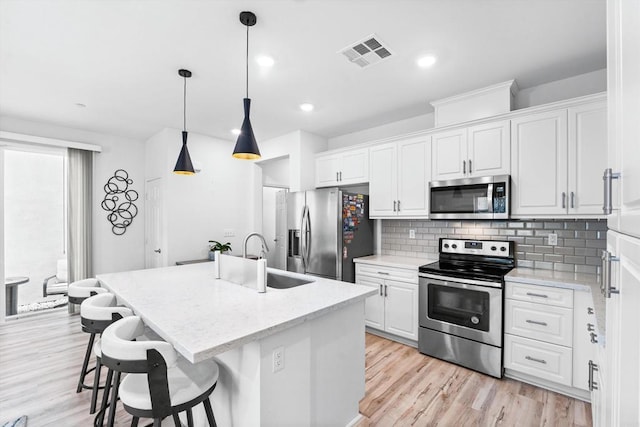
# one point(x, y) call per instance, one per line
point(159, 382)
point(97, 312)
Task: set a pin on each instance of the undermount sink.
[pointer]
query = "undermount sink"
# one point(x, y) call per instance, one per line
point(280, 281)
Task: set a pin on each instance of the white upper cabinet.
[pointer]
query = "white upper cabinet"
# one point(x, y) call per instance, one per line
point(342, 168)
point(539, 164)
point(587, 157)
point(557, 159)
point(474, 151)
point(399, 176)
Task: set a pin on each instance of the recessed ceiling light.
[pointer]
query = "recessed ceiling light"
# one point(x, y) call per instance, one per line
point(265, 61)
point(306, 107)
point(235, 131)
point(426, 61)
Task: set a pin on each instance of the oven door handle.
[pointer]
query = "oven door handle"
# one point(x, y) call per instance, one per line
point(459, 280)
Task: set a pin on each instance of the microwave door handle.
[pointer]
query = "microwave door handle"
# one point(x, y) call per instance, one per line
point(490, 197)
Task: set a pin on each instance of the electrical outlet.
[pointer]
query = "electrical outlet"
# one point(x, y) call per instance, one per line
point(228, 232)
point(553, 239)
point(412, 234)
point(278, 359)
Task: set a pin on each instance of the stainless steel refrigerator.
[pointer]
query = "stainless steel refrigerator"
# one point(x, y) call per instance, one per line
point(326, 229)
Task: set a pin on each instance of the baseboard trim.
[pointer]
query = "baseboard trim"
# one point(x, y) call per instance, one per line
point(558, 388)
point(392, 337)
point(355, 421)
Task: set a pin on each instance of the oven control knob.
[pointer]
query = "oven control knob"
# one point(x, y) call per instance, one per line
point(475, 320)
point(454, 246)
point(503, 248)
point(446, 245)
point(493, 248)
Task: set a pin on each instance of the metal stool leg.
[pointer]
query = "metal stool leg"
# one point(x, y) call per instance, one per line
point(85, 364)
point(96, 386)
point(176, 420)
point(209, 411)
point(105, 398)
point(189, 418)
point(114, 399)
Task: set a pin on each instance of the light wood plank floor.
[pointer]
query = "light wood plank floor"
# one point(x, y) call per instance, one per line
point(41, 355)
point(407, 388)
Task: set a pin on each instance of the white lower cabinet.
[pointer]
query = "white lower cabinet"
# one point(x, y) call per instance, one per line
point(549, 337)
point(394, 309)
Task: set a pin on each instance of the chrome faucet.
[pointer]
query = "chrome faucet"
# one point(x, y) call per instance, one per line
point(264, 250)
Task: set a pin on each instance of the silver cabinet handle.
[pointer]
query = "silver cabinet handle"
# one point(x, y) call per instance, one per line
point(398, 205)
point(337, 175)
point(593, 367)
point(464, 167)
point(564, 200)
point(594, 338)
point(383, 272)
point(605, 277)
point(591, 327)
point(158, 251)
point(380, 290)
point(385, 290)
point(607, 177)
point(533, 359)
point(394, 205)
point(589, 310)
point(572, 202)
point(340, 176)
point(536, 322)
point(531, 294)
point(469, 165)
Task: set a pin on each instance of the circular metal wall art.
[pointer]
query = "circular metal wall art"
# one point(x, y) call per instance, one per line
point(118, 201)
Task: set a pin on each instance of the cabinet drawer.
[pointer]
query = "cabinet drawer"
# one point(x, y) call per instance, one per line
point(384, 272)
point(547, 361)
point(541, 294)
point(541, 322)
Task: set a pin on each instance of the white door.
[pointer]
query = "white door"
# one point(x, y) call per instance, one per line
point(383, 181)
point(414, 174)
point(354, 167)
point(539, 164)
point(327, 170)
point(587, 157)
point(489, 149)
point(374, 305)
point(153, 250)
point(611, 367)
point(280, 250)
point(449, 154)
point(401, 309)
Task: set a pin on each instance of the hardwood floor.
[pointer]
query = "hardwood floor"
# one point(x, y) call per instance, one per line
point(40, 359)
point(406, 388)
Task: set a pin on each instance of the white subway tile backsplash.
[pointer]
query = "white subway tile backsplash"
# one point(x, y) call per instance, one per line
point(579, 241)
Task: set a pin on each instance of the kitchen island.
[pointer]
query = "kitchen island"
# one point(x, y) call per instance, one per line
point(318, 328)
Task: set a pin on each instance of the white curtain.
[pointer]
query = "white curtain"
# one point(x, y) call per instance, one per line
point(79, 196)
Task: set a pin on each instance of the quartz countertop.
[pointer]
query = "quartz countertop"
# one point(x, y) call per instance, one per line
point(397, 261)
point(563, 279)
point(202, 316)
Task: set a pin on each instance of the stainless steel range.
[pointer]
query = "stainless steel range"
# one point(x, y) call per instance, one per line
point(461, 303)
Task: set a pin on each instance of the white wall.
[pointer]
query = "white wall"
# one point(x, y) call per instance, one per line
point(275, 173)
point(200, 207)
point(2, 294)
point(111, 253)
point(572, 87)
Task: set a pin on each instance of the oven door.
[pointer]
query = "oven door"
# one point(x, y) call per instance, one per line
point(466, 308)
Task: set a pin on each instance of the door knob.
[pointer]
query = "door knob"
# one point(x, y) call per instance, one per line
point(158, 251)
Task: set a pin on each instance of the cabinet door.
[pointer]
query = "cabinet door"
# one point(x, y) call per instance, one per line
point(374, 305)
point(489, 149)
point(354, 167)
point(587, 157)
point(383, 181)
point(539, 164)
point(327, 168)
point(583, 349)
point(414, 174)
point(449, 150)
point(401, 309)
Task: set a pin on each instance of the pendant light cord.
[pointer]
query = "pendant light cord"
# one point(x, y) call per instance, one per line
point(247, 61)
point(184, 104)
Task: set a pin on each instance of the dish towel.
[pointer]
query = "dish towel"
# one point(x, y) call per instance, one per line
point(20, 422)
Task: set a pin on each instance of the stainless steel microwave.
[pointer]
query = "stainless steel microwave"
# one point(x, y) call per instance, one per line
point(485, 197)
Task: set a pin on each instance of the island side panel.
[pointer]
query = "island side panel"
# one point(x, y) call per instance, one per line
point(338, 366)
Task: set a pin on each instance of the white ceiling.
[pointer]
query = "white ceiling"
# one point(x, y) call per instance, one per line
point(120, 58)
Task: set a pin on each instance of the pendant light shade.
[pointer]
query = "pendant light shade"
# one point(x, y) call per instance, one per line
point(246, 145)
point(184, 165)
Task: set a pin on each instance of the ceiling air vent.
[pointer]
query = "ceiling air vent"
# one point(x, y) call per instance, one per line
point(366, 52)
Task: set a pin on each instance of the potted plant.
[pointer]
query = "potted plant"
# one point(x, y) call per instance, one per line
point(214, 245)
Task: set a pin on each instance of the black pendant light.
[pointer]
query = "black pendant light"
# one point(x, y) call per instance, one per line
point(184, 165)
point(246, 145)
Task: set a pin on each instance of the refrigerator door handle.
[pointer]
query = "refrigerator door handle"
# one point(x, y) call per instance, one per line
point(307, 238)
point(303, 236)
